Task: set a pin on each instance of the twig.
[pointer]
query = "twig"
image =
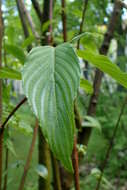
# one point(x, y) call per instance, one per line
point(111, 144)
point(50, 20)
point(82, 21)
point(11, 114)
point(75, 165)
point(29, 19)
point(85, 134)
point(37, 9)
point(29, 157)
point(64, 20)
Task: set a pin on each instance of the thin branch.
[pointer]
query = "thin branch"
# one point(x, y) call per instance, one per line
point(23, 22)
point(85, 134)
point(11, 114)
point(75, 165)
point(64, 20)
point(29, 157)
point(108, 152)
point(37, 9)
point(29, 19)
point(82, 21)
point(50, 19)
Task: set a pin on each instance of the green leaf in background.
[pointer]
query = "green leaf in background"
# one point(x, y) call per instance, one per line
point(42, 171)
point(105, 65)
point(7, 73)
point(16, 51)
point(86, 86)
point(10, 146)
point(28, 41)
point(91, 122)
point(50, 81)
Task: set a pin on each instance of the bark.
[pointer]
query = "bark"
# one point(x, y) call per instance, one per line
point(37, 9)
point(85, 134)
point(29, 157)
point(1, 136)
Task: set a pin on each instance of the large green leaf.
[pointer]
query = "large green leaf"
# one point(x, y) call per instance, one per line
point(104, 64)
point(50, 81)
point(8, 73)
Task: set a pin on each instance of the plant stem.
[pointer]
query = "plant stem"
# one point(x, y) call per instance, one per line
point(64, 19)
point(29, 19)
point(75, 165)
point(82, 21)
point(29, 157)
point(108, 152)
point(37, 9)
point(24, 24)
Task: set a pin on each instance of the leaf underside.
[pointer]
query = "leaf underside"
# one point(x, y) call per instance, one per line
point(50, 81)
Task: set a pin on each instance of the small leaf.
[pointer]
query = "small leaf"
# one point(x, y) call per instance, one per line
point(85, 34)
point(16, 51)
point(7, 73)
point(86, 86)
point(91, 122)
point(42, 171)
point(50, 81)
point(105, 65)
point(28, 41)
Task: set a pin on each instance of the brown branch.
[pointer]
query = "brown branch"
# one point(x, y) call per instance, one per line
point(23, 22)
point(29, 157)
point(1, 137)
point(11, 114)
point(50, 19)
point(37, 9)
point(82, 21)
point(85, 134)
point(108, 152)
point(75, 165)
point(29, 19)
point(64, 20)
